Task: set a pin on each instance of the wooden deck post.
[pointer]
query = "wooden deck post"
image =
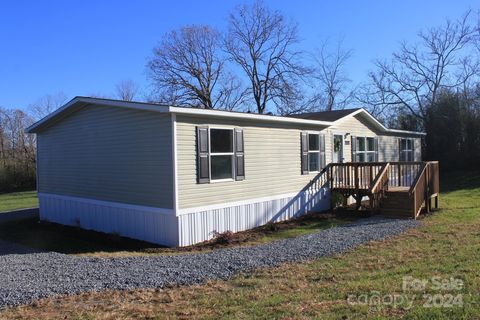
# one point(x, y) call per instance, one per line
point(357, 187)
point(427, 198)
point(399, 175)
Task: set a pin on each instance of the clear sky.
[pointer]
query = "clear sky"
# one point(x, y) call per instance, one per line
point(84, 47)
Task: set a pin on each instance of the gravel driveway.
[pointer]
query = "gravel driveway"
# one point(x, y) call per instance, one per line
point(27, 276)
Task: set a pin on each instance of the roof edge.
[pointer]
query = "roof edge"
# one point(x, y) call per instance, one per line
point(98, 101)
point(380, 125)
point(244, 115)
point(79, 102)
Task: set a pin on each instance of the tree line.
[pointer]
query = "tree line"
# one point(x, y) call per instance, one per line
point(257, 64)
point(17, 148)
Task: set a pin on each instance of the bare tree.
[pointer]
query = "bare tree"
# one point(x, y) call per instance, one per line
point(17, 151)
point(126, 90)
point(46, 105)
point(261, 42)
point(333, 90)
point(417, 73)
point(187, 68)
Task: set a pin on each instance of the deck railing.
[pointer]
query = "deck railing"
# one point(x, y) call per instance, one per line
point(354, 175)
point(379, 187)
point(402, 174)
point(420, 179)
point(425, 187)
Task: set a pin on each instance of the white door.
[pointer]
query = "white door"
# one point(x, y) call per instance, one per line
point(337, 148)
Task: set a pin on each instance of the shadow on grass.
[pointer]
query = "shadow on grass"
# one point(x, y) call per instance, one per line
point(459, 180)
point(73, 240)
point(65, 239)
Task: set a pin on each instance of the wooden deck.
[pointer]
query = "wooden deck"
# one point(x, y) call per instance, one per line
point(400, 189)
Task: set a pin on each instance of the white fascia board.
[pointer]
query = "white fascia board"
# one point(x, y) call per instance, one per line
point(246, 116)
point(51, 115)
point(125, 104)
point(177, 110)
point(379, 124)
point(367, 114)
point(417, 133)
point(98, 101)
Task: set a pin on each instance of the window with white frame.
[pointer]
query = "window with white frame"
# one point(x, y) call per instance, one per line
point(221, 154)
point(406, 150)
point(365, 149)
point(313, 152)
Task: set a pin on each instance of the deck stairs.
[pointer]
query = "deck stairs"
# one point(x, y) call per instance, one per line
point(393, 189)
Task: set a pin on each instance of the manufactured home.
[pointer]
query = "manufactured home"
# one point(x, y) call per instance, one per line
point(175, 176)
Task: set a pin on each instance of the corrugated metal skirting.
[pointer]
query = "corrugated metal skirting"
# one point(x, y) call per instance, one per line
point(200, 226)
point(142, 223)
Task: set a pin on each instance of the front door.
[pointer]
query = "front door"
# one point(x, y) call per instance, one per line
point(338, 148)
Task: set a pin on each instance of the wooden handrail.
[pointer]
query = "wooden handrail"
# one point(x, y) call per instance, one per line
point(426, 186)
point(377, 183)
point(418, 178)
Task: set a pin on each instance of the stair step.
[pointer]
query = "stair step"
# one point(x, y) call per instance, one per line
point(396, 212)
point(405, 208)
point(395, 201)
point(394, 196)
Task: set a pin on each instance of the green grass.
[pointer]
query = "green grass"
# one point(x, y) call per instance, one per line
point(446, 246)
point(18, 200)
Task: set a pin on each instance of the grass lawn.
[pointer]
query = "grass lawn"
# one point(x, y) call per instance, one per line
point(72, 240)
point(446, 246)
point(18, 200)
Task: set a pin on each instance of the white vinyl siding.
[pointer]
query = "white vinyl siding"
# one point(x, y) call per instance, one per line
point(357, 126)
point(272, 162)
point(349, 127)
point(388, 148)
point(110, 154)
point(272, 158)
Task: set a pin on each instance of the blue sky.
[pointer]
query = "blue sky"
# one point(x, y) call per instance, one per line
point(87, 47)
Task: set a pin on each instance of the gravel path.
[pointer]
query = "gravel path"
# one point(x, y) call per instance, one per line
point(31, 276)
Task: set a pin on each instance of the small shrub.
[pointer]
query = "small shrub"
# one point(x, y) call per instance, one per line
point(337, 199)
point(271, 226)
point(226, 237)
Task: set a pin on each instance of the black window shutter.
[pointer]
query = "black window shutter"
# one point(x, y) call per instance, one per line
point(239, 155)
point(332, 143)
point(413, 150)
point(400, 153)
point(304, 151)
point(203, 165)
point(323, 160)
point(354, 149)
point(375, 143)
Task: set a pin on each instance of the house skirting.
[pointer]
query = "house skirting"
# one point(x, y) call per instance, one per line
point(188, 227)
point(156, 225)
point(200, 224)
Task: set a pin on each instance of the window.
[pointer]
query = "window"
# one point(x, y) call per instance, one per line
point(406, 149)
point(365, 149)
point(313, 152)
point(312, 148)
point(221, 154)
